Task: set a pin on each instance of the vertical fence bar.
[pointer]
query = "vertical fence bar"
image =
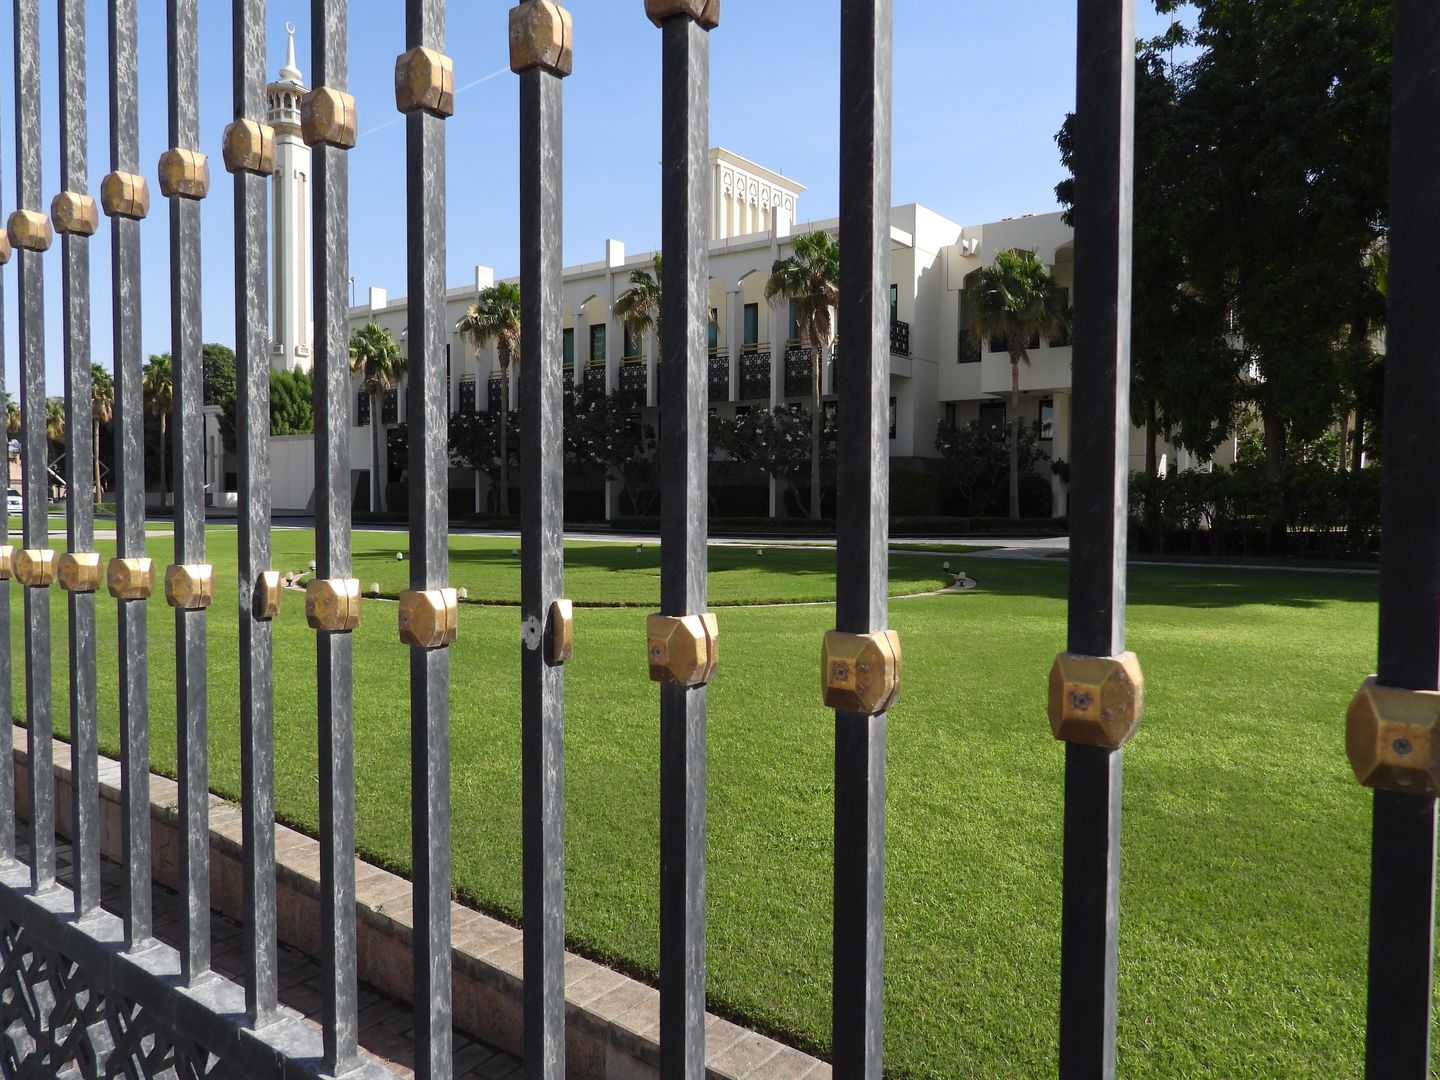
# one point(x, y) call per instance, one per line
point(126, 201)
point(7, 554)
point(1380, 744)
point(862, 383)
point(1095, 668)
point(190, 582)
point(684, 318)
point(334, 648)
point(30, 236)
point(425, 93)
point(75, 218)
point(541, 53)
point(250, 156)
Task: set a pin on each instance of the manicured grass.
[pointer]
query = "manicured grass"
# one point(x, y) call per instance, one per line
point(603, 574)
point(1246, 838)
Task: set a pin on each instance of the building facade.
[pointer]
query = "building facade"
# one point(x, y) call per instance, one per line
point(938, 370)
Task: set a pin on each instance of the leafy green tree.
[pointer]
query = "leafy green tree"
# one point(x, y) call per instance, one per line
point(809, 278)
point(495, 316)
point(475, 443)
point(601, 434)
point(1185, 374)
point(102, 411)
point(1286, 111)
point(1013, 300)
point(979, 457)
point(778, 441)
point(375, 357)
point(292, 402)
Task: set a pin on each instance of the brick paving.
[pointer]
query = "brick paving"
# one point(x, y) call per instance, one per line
point(386, 1025)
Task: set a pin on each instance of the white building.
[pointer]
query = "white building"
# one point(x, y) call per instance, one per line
point(290, 199)
point(937, 370)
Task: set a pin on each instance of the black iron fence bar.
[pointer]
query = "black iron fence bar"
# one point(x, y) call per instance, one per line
point(861, 642)
point(540, 51)
point(1384, 728)
point(425, 92)
point(1095, 687)
point(7, 568)
point(74, 215)
point(249, 151)
point(31, 235)
point(328, 124)
point(682, 639)
point(189, 582)
point(126, 200)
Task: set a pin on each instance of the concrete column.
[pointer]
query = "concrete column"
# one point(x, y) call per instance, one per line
point(1060, 450)
point(735, 335)
point(582, 347)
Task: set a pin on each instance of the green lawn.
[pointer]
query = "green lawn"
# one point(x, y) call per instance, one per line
point(1246, 838)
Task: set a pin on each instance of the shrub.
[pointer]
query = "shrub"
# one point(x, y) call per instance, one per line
point(912, 493)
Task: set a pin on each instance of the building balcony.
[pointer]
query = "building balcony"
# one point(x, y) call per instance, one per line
point(755, 376)
point(799, 373)
point(1048, 371)
point(595, 379)
point(719, 376)
point(633, 384)
point(900, 338)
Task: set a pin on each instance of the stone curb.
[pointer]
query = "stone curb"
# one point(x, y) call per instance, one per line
point(612, 1021)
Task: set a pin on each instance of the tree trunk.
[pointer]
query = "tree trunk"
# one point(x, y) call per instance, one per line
point(504, 436)
point(377, 465)
point(1275, 473)
point(98, 491)
point(815, 430)
point(1014, 438)
point(164, 487)
point(1357, 448)
point(1344, 438)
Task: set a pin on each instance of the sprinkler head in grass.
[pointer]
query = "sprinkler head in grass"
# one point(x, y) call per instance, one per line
point(375, 588)
point(312, 566)
point(759, 552)
point(399, 556)
point(639, 548)
point(463, 593)
point(945, 565)
point(514, 551)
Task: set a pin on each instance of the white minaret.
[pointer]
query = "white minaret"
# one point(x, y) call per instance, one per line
point(290, 195)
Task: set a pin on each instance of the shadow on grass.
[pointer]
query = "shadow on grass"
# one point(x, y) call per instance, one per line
point(1185, 587)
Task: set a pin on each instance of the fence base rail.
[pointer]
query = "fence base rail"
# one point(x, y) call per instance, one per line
point(70, 995)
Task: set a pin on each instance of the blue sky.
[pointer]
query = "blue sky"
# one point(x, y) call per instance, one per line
point(980, 89)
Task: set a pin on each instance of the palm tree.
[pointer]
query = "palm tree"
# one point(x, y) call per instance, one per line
point(496, 315)
point(1013, 300)
point(638, 307)
point(12, 432)
point(809, 278)
point(157, 384)
point(375, 356)
point(54, 431)
point(102, 410)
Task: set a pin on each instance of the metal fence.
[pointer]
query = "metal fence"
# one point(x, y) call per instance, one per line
point(84, 991)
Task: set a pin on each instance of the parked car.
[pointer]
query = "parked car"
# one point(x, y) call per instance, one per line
point(13, 503)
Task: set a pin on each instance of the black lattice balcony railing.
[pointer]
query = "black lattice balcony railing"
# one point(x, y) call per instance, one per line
point(632, 383)
point(467, 395)
point(595, 379)
point(567, 380)
point(494, 396)
point(899, 337)
point(720, 377)
point(798, 373)
point(755, 376)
